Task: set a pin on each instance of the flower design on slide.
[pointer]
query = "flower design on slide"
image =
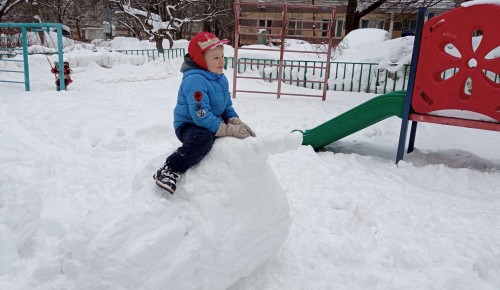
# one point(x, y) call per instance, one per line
point(471, 61)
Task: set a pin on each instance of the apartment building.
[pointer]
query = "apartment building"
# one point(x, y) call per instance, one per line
point(304, 21)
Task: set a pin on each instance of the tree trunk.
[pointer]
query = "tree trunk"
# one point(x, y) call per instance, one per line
point(352, 23)
point(59, 12)
point(171, 42)
point(159, 43)
point(207, 26)
point(352, 16)
point(217, 30)
point(78, 31)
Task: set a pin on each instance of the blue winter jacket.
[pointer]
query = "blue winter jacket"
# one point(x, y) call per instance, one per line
point(203, 98)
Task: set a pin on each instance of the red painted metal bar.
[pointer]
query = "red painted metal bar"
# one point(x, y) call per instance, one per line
point(274, 34)
point(304, 51)
point(291, 5)
point(236, 44)
point(301, 95)
point(272, 93)
point(329, 54)
point(286, 65)
point(263, 49)
point(275, 79)
point(490, 126)
point(256, 92)
point(285, 9)
point(301, 21)
point(282, 48)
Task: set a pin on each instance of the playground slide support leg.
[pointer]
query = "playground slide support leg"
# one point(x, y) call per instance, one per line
point(402, 141)
point(413, 133)
point(411, 83)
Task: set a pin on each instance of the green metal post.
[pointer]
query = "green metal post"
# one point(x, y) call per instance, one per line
point(385, 81)
point(404, 77)
point(25, 59)
point(395, 79)
point(369, 78)
point(62, 81)
point(377, 81)
point(352, 77)
point(360, 77)
point(305, 73)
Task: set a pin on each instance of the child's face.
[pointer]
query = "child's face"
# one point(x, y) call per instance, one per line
point(214, 58)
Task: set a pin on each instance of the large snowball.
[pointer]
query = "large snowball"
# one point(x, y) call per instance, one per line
point(228, 216)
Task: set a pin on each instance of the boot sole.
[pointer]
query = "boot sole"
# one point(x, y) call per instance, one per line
point(164, 186)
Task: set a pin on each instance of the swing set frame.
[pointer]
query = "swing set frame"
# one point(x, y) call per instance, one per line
point(36, 27)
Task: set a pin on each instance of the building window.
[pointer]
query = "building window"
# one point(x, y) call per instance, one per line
point(294, 27)
point(409, 27)
point(372, 23)
point(339, 27)
point(264, 23)
point(324, 27)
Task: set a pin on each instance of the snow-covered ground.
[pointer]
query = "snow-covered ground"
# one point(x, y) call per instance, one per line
point(79, 208)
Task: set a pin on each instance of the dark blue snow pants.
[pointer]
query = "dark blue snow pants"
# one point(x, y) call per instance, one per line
point(196, 143)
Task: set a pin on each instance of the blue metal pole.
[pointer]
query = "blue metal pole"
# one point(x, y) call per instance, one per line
point(25, 59)
point(411, 82)
point(62, 81)
point(39, 25)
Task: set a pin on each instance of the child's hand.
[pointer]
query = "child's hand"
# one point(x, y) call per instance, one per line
point(238, 131)
point(237, 121)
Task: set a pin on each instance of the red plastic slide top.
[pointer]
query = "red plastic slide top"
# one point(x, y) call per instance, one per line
point(458, 67)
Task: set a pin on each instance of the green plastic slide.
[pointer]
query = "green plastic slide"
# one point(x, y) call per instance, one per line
point(357, 118)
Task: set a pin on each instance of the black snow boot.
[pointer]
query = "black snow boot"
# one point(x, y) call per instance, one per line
point(167, 179)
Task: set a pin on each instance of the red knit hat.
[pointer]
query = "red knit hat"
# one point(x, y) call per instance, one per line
point(200, 43)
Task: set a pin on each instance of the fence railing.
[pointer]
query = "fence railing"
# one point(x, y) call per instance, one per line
point(155, 54)
point(8, 55)
point(343, 76)
point(8, 51)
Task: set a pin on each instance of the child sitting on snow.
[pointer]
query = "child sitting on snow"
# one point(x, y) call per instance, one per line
point(67, 74)
point(204, 109)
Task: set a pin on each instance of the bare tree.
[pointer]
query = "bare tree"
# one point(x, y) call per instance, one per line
point(354, 15)
point(223, 25)
point(84, 12)
point(163, 19)
point(8, 6)
point(21, 11)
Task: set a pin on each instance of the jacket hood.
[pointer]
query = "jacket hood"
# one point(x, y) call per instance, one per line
point(189, 64)
point(189, 67)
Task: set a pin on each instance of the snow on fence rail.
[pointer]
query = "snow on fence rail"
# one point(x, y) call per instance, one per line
point(155, 54)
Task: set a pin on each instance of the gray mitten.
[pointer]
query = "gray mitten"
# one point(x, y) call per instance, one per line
point(237, 121)
point(238, 131)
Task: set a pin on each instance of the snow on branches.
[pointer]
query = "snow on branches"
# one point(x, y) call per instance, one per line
point(161, 19)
